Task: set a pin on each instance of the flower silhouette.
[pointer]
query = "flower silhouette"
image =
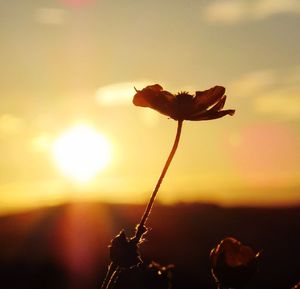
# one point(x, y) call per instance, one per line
point(124, 252)
point(233, 263)
point(204, 105)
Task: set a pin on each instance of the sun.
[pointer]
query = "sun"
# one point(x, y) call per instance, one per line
point(81, 153)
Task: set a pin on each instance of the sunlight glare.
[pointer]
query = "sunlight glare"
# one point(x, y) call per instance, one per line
point(81, 153)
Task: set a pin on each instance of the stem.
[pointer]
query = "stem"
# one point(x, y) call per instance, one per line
point(141, 225)
point(112, 268)
point(113, 278)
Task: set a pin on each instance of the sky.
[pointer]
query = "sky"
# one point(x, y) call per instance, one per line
point(71, 62)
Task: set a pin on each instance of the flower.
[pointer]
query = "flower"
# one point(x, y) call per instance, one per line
point(233, 263)
point(204, 105)
point(297, 286)
point(124, 252)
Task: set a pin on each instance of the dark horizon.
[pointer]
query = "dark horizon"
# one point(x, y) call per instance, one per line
point(39, 248)
point(17, 211)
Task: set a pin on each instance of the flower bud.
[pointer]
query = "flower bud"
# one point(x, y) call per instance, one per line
point(124, 252)
point(232, 263)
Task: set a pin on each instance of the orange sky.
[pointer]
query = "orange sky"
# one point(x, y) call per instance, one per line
point(70, 62)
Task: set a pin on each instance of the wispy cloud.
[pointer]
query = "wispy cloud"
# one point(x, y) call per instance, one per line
point(10, 124)
point(233, 11)
point(121, 94)
point(272, 92)
point(42, 142)
point(254, 83)
point(117, 94)
point(284, 103)
point(225, 11)
point(265, 8)
point(50, 16)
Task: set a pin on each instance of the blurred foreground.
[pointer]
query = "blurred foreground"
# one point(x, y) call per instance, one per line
point(66, 246)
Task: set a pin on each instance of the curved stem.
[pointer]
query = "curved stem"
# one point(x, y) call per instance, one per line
point(113, 278)
point(141, 225)
point(113, 270)
point(109, 275)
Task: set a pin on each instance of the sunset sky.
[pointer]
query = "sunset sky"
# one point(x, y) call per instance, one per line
point(66, 63)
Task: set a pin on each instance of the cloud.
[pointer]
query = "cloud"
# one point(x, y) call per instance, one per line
point(253, 83)
point(50, 16)
point(121, 94)
point(234, 11)
point(10, 124)
point(265, 8)
point(118, 94)
point(272, 92)
point(284, 103)
point(225, 11)
point(42, 142)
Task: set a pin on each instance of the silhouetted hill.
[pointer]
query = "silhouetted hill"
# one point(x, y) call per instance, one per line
point(66, 246)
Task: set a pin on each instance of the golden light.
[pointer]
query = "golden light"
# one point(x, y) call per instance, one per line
point(81, 153)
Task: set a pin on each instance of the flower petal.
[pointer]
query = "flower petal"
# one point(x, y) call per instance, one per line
point(213, 256)
point(210, 114)
point(246, 254)
point(205, 99)
point(233, 263)
point(153, 96)
point(141, 99)
point(220, 104)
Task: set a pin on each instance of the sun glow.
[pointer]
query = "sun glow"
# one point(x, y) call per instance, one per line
point(81, 153)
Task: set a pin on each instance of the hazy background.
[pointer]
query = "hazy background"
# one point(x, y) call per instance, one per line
point(64, 62)
point(67, 62)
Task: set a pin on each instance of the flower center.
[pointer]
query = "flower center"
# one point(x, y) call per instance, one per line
point(185, 105)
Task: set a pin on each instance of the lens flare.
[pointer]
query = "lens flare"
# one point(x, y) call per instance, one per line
point(77, 3)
